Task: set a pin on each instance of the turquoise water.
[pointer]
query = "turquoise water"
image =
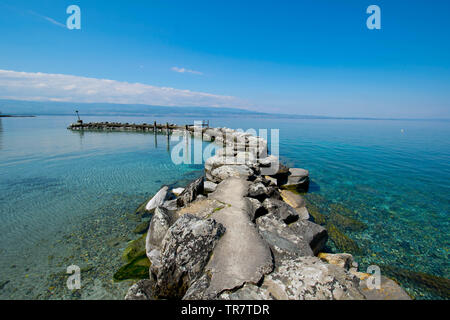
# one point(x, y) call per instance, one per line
point(68, 197)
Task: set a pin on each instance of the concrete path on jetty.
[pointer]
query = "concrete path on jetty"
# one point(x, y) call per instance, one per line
point(241, 256)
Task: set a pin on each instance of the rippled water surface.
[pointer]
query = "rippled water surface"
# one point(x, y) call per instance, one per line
point(69, 197)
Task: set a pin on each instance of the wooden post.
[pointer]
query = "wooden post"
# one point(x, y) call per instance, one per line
point(154, 127)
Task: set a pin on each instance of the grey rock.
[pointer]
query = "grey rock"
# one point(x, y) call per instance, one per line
point(191, 192)
point(315, 235)
point(247, 292)
point(185, 250)
point(256, 208)
point(281, 209)
point(159, 225)
point(304, 278)
point(157, 200)
point(170, 205)
point(209, 186)
point(389, 290)
point(258, 191)
point(197, 291)
point(283, 241)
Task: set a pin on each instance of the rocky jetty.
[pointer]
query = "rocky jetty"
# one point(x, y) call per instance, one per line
point(243, 231)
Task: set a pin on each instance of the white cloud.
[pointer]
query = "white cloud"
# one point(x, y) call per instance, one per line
point(184, 70)
point(60, 87)
point(51, 20)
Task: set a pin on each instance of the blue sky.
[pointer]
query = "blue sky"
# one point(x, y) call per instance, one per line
point(303, 57)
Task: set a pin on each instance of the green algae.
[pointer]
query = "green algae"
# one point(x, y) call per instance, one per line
point(142, 227)
point(342, 242)
point(136, 269)
point(434, 284)
point(347, 223)
point(135, 248)
point(137, 263)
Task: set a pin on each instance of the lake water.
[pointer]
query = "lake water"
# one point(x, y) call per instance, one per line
point(68, 197)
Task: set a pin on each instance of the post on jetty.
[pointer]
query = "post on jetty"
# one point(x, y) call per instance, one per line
point(78, 115)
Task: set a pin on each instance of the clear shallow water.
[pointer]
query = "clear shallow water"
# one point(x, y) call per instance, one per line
point(66, 197)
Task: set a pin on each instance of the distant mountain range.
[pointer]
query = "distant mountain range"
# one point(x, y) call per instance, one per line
point(20, 108)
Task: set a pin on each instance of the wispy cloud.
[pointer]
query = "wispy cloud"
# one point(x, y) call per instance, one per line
point(70, 88)
point(51, 20)
point(184, 70)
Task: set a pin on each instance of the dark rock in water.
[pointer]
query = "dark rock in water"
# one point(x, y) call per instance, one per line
point(185, 250)
point(281, 209)
point(142, 227)
point(136, 269)
point(342, 242)
point(191, 192)
point(141, 290)
point(434, 284)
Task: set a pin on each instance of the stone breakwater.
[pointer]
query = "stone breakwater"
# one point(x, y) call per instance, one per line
point(243, 231)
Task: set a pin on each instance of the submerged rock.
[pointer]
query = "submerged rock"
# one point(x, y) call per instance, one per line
point(185, 250)
point(136, 269)
point(296, 179)
point(142, 227)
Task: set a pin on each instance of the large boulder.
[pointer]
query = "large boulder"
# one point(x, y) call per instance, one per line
point(297, 202)
point(281, 210)
point(301, 238)
point(157, 200)
point(185, 250)
point(271, 166)
point(191, 192)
